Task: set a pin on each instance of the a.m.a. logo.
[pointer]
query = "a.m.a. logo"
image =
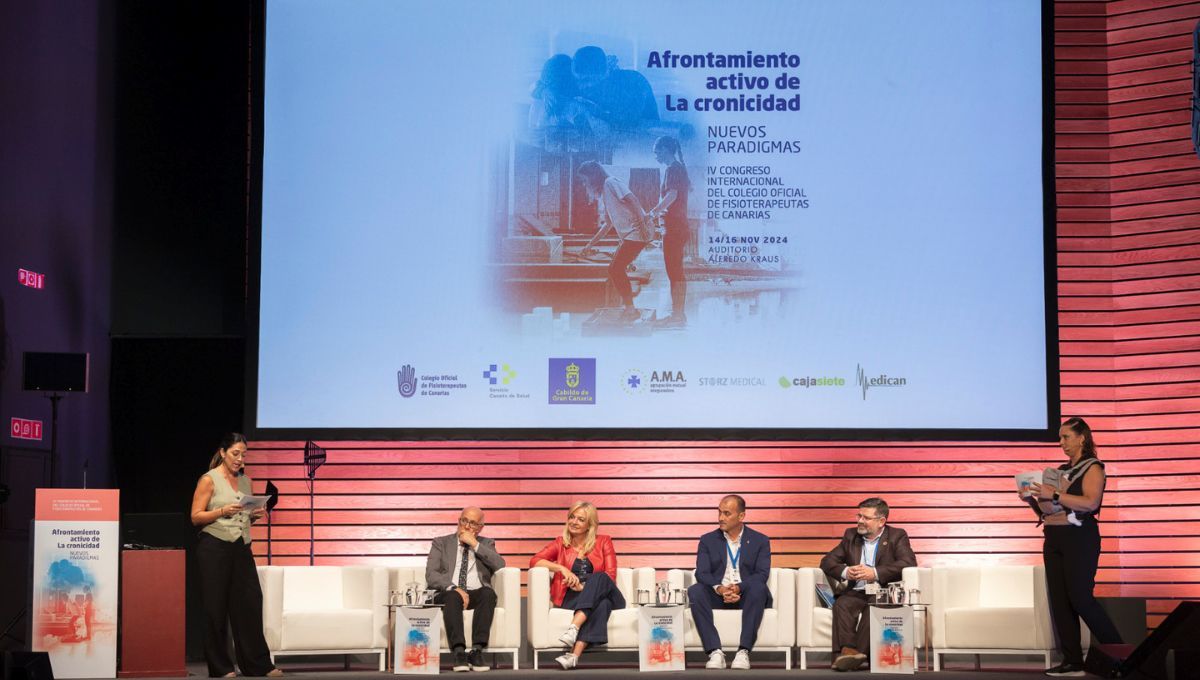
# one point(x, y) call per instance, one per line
point(572, 381)
point(666, 381)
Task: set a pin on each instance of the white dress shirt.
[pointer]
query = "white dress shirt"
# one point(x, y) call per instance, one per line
point(473, 582)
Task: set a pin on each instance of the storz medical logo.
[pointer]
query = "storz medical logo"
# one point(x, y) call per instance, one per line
point(572, 381)
point(501, 379)
point(656, 382)
point(867, 383)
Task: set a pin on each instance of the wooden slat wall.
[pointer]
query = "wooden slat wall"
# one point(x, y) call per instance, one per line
point(1128, 188)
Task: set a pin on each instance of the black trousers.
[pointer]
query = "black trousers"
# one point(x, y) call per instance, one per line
point(626, 253)
point(483, 603)
point(850, 628)
point(232, 598)
point(674, 244)
point(597, 600)
point(1071, 555)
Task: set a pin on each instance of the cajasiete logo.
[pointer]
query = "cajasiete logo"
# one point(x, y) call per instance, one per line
point(572, 381)
point(867, 383)
point(406, 380)
point(812, 381)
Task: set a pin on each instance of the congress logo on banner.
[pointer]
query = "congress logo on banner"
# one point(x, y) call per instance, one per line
point(573, 381)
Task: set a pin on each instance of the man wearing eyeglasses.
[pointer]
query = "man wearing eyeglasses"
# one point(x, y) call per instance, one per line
point(870, 552)
point(460, 568)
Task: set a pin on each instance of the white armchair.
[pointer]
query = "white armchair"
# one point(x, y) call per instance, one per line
point(325, 610)
point(505, 635)
point(776, 633)
point(814, 621)
point(547, 622)
point(986, 609)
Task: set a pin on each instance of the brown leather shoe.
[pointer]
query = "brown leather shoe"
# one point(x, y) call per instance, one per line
point(849, 660)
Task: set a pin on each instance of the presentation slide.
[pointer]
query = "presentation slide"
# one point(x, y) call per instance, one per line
point(701, 216)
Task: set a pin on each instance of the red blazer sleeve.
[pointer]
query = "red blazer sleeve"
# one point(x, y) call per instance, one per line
point(610, 557)
point(549, 552)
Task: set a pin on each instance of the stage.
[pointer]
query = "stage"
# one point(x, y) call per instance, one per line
point(611, 666)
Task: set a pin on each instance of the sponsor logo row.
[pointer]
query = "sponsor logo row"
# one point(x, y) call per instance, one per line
point(573, 380)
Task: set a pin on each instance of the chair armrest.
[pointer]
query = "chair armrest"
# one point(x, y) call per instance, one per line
point(920, 578)
point(507, 584)
point(806, 601)
point(379, 610)
point(785, 605)
point(538, 624)
point(270, 579)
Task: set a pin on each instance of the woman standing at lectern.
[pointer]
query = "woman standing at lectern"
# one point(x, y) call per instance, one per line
point(228, 579)
point(1071, 550)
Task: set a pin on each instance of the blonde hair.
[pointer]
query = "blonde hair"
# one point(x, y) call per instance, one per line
point(593, 519)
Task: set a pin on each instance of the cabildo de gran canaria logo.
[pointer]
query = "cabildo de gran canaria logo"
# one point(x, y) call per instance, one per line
point(572, 381)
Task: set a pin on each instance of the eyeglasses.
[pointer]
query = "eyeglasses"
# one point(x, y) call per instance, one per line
point(470, 523)
point(865, 518)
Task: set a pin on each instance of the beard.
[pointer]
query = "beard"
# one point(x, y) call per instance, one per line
point(861, 529)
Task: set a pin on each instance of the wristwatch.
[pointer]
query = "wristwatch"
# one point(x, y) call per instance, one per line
point(1055, 495)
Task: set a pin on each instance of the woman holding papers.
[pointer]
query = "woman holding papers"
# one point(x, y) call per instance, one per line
point(228, 580)
point(584, 566)
point(1072, 545)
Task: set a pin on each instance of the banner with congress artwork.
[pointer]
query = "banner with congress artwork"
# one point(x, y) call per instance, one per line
point(418, 643)
point(892, 639)
point(801, 215)
point(76, 548)
point(660, 638)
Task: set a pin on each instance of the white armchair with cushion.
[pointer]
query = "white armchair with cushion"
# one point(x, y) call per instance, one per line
point(985, 609)
point(325, 610)
point(547, 622)
point(814, 621)
point(505, 635)
point(776, 633)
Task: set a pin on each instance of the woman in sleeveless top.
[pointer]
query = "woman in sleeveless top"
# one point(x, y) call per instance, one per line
point(1071, 550)
point(584, 566)
point(228, 578)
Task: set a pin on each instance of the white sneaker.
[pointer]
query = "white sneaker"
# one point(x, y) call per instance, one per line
point(741, 661)
point(568, 637)
point(716, 660)
point(567, 661)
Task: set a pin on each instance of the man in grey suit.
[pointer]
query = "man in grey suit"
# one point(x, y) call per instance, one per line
point(460, 568)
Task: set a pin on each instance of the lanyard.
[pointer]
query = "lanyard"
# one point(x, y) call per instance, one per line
point(733, 558)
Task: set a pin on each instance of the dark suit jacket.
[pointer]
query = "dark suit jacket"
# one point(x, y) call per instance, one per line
point(892, 555)
point(441, 568)
point(754, 564)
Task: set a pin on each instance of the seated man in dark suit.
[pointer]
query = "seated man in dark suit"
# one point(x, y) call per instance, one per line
point(732, 566)
point(460, 568)
point(871, 552)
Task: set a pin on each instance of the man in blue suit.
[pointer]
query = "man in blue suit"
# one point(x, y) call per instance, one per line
point(732, 566)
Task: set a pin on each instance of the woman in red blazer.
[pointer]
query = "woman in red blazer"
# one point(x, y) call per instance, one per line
point(584, 565)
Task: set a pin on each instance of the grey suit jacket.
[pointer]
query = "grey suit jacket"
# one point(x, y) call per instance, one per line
point(440, 568)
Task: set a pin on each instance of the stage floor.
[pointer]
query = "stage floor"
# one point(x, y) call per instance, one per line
point(598, 669)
